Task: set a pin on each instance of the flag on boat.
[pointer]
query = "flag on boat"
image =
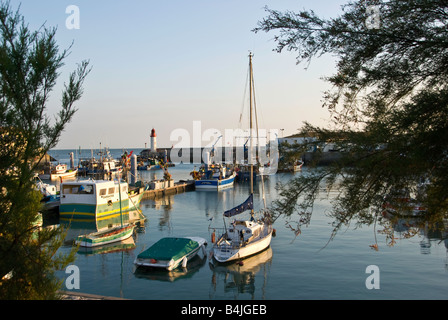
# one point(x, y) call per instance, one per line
point(246, 205)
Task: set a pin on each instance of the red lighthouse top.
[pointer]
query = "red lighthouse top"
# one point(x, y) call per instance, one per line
point(153, 133)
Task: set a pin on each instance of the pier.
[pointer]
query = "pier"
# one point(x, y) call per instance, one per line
point(178, 187)
point(236, 154)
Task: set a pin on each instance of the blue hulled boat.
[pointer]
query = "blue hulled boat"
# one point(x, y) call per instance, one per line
point(213, 177)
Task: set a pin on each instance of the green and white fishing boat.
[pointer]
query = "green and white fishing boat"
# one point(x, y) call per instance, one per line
point(171, 252)
point(97, 200)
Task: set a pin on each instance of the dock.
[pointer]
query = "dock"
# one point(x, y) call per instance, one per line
point(179, 187)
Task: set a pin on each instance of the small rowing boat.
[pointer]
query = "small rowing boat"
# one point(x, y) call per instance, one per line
point(105, 236)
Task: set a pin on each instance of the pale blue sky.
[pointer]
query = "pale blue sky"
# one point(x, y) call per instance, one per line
point(165, 64)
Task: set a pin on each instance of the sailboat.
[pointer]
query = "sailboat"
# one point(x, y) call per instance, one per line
point(109, 235)
point(244, 238)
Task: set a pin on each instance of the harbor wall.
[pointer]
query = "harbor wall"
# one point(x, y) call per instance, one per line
point(321, 159)
point(194, 155)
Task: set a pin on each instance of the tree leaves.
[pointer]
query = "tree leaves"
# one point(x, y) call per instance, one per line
point(29, 64)
point(388, 104)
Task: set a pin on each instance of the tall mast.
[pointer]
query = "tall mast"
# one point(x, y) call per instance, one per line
point(250, 146)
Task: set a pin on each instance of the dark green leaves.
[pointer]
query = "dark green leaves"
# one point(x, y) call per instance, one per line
point(388, 103)
point(29, 64)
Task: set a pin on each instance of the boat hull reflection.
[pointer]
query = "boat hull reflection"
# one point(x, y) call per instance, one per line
point(239, 277)
point(163, 275)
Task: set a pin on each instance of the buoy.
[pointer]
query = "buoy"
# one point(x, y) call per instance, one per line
point(240, 263)
point(184, 262)
point(213, 236)
point(274, 232)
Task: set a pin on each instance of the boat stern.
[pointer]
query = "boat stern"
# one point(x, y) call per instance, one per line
point(224, 253)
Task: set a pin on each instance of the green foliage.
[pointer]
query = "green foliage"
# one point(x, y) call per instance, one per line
point(388, 104)
point(29, 63)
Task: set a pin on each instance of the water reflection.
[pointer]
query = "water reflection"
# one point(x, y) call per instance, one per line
point(398, 228)
point(163, 207)
point(77, 227)
point(121, 246)
point(239, 278)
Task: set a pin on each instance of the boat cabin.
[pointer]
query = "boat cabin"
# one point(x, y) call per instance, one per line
point(244, 231)
point(94, 192)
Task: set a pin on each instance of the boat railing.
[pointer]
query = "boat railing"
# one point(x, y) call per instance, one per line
point(225, 243)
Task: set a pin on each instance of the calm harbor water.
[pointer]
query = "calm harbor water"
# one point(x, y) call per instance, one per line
point(293, 268)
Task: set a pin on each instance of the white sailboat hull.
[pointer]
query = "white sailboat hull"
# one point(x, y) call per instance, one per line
point(226, 253)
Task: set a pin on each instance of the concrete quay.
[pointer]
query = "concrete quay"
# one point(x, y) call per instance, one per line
point(179, 187)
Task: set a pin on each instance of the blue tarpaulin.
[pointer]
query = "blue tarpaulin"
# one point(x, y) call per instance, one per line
point(246, 205)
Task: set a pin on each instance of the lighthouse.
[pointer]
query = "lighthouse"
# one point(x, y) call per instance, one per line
point(153, 140)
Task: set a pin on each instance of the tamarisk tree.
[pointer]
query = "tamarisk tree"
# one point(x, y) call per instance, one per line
point(388, 104)
point(29, 63)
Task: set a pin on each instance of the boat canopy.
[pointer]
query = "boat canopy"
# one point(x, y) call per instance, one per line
point(246, 205)
point(169, 248)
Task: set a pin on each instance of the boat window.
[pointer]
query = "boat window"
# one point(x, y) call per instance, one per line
point(112, 190)
point(86, 189)
point(69, 189)
point(77, 189)
point(103, 192)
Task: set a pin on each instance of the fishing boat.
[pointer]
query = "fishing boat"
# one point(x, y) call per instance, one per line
point(50, 196)
point(243, 172)
point(213, 177)
point(171, 252)
point(104, 168)
point(244, 238)
point(58, 171)
point(92, 200)
point(149, 164)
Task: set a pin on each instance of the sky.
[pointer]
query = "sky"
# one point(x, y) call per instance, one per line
point(173, 64)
